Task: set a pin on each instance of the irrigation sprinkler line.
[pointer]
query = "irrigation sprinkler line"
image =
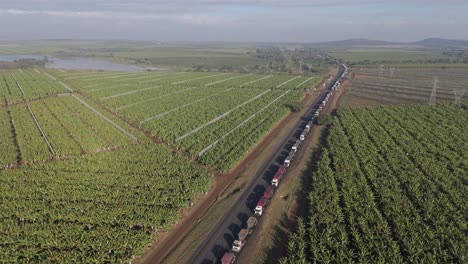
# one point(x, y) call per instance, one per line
point(106, 118)
point(288, 81)
point(203, 151)
point(141, 77)
point(40, 129)
point(66, 86)
point(110, 87)
point(262, 78)
point(198, 78)
point(182, 106)
point(88, 74)
point(93, 85)
point(115, 76)
point(221, 116)
point(299, 85)
point(231, 78)
point(130, 92)
point(154, 98)
point(18, 84)
point(34, 117)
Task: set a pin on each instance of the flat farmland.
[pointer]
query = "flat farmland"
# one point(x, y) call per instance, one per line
point(78, 184)
point(390, 187)
point(214, 117)
point(83, 180)
point(30, 84)
point(407, 85)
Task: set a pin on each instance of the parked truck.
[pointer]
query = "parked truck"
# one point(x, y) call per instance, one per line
point(243, 234)
point(228, 258)
point(261, 205)
point(302, 136)
point(296, 145)
point(279, 174)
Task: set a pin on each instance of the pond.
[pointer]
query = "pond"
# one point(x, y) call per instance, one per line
point(76, 63)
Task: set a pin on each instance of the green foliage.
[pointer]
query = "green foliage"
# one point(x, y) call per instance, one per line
point(324, 119)
point(388, 189)
point(176, 104)
point(296, 106)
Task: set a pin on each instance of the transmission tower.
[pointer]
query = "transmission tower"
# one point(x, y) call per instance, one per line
point(458, 94)
point(435, 83)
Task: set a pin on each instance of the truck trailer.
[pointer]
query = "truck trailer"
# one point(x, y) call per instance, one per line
point(278, 175)
point(228, 258)
point(243, 234)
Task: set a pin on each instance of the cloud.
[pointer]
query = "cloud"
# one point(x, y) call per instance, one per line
point(187, 19)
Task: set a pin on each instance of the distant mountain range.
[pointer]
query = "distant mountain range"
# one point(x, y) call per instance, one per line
point(429, 43)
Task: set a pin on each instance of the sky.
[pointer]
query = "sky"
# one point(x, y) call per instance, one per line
point(234, 20)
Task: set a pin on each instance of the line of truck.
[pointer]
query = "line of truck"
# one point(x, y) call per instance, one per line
point(262, 203)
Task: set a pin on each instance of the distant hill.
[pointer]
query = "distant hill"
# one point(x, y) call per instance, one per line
point(442, 43)
point(429, 42)
point(355, 42)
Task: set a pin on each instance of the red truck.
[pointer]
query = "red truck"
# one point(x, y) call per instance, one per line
point(269, 192)
point(279, 174)
point(228, 258)
point(261, 205)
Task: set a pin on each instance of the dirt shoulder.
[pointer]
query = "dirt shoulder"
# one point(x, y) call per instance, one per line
point(225, 186)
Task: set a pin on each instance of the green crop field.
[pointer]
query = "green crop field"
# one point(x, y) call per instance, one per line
point(215, 117)
point(390, 187)
point(95, 165)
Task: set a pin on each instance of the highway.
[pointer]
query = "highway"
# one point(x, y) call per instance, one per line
point(219, 240)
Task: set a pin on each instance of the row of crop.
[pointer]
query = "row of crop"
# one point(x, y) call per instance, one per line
point(231, 149)
point(88, 126)
point(97, 208)
point(173, 101)
point(93, 84)
point(8, 153)
point(421, 181)
point(9, 89)
point(432, 168)
point(187, 119)
point(32, 144)
point(150, 95)
point(451, 149)
point(399, 199)
point(197, 141)
point(371, 236)
point(374, 152)
point(36, 85)
point(113, 88)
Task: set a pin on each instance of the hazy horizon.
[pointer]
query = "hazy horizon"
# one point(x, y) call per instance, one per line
point(295, 21)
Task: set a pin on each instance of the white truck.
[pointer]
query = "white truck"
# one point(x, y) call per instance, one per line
point(302, 136)
point(296, 145)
